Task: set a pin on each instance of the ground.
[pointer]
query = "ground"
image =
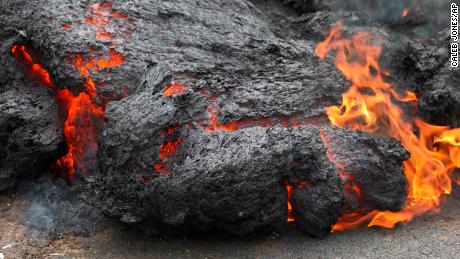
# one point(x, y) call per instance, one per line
point(434, 235)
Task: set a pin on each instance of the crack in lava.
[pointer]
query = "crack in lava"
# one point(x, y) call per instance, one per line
point(82, 113)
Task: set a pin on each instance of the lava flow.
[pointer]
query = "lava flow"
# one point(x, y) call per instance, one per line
point(82, 115)
point(370, 104)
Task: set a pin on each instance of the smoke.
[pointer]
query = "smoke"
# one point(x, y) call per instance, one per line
point(53, 210)
point(421, 18)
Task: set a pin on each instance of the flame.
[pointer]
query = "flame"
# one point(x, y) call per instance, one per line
point(370, 104)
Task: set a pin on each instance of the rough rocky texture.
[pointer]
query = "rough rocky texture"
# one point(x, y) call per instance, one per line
point(30, 130)
point(30, 133)
point(235, 180)
point(424, 67)
point(218, 153)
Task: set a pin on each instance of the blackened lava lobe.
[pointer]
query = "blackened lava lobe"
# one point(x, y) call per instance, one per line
point(31, 133)
point(423, 66)
point(184, 161)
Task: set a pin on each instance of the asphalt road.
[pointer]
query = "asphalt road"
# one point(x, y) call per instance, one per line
point(435, 235)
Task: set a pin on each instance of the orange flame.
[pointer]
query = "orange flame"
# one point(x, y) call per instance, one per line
point(370, 104)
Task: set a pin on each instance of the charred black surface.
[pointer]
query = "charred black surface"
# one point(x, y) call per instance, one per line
point(30, 133)
point(235, 180)
point(424, 67)
point(30, 130)
point(371, 163)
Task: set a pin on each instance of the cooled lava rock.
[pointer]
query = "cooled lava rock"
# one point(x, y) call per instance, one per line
point(30, 128)
point(424, 67)
point(30, 133)
point(210, 110)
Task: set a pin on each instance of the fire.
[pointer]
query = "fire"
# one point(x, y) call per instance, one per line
point(371, 105)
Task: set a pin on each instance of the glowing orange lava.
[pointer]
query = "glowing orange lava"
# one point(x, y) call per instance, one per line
point(290, 212)
point(82, 114)
point(80, 132)
point(34, 71)
point(168, 148)
point(370, 104)
point(174, 89)
point(405, 12)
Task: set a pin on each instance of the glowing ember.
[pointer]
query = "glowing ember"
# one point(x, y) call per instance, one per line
point(168, 148)
point(290, 212)
point(213, 121)
point(434, 149)
point(102, 34)
point(282, 121)
point(101, 16)
point(160, 168)
point(174, 89)
point(35, 71)
point(405, 12)
point(66, 26)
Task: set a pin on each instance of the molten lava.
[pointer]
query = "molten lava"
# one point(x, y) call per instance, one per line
point(168, 148)
point(290, 212)
point(34, 71)
point(174, 89)
point(80, 132)
point(371, 105)
point(82, 115)
point(405, 12)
